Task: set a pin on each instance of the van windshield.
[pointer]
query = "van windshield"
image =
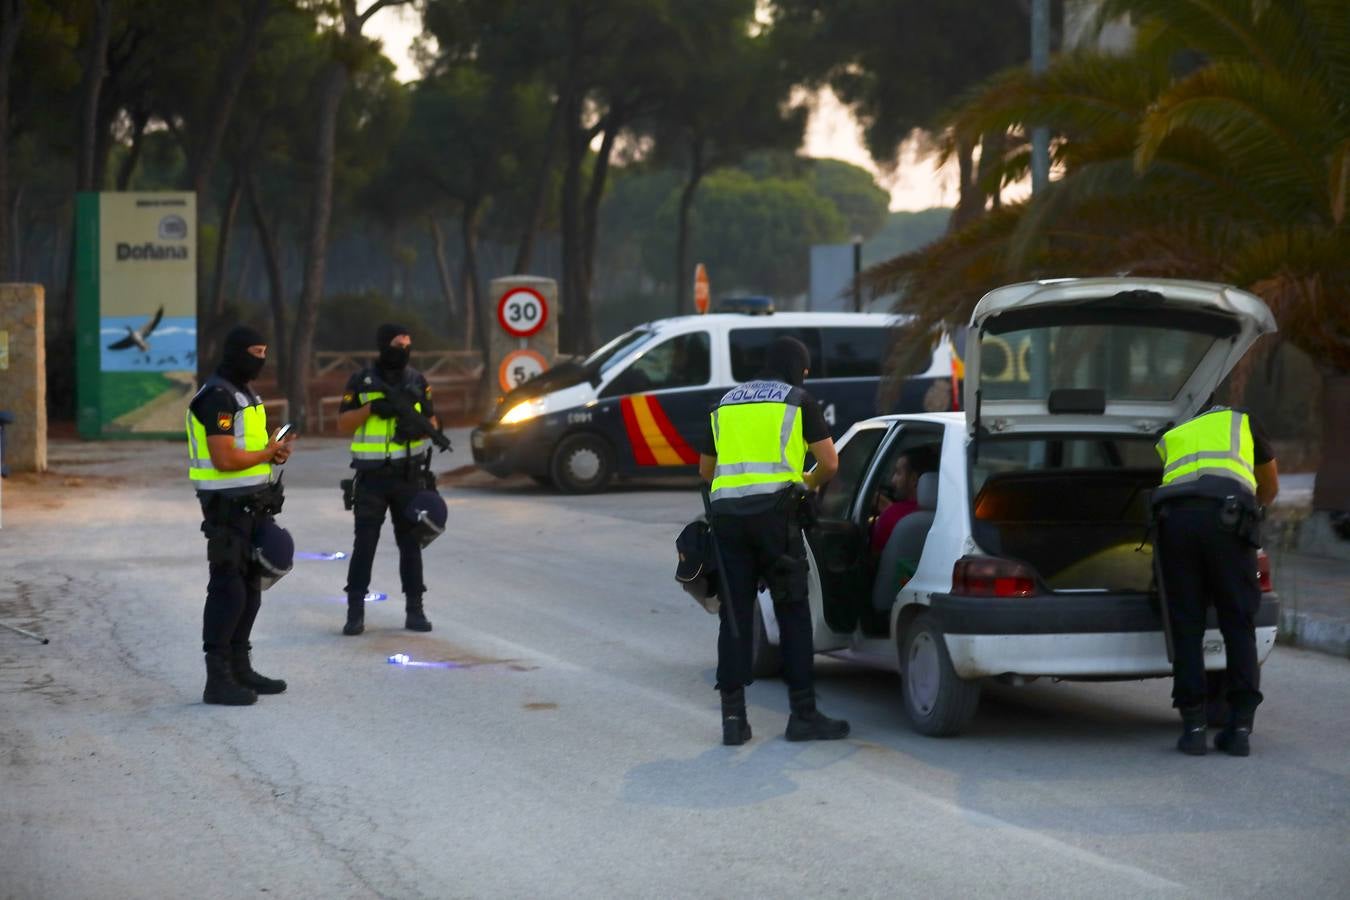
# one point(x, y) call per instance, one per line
point(603, 359)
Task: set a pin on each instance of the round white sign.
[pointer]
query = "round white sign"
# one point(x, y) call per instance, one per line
point(522, 312)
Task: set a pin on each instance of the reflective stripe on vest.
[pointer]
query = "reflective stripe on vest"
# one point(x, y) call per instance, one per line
point(757, 430)
point(1217, 444)
point(250, 433)
point(375, 438)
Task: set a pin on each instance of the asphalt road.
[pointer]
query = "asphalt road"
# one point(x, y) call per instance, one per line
point(571, 746)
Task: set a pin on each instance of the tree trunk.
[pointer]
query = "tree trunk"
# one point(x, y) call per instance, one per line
point(443, 269)
point(683, 301)
point(970, 201)
point(575, 322)
point(11, 25)
point(333, 84)
point(276, 286)
point(473, 294)
point(539, 194)
point(1331, 489)
point(139, 119)
point(215, 306)
point(594, 194)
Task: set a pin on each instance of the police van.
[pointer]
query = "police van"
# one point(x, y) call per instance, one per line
point(639, 405)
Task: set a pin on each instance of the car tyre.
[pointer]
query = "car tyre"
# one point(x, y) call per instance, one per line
point(937, 700)
point(766, 660)
point(582, 464)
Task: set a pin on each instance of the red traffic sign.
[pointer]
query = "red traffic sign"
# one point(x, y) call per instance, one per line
point(522, 311)
point(702, 293)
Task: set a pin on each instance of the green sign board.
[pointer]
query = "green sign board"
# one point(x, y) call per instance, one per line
point(136, 319)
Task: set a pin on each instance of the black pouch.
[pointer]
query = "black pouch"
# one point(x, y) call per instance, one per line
point(695, 567)
point(348, 492)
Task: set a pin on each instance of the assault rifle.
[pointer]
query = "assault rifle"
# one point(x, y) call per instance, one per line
point(411, 422)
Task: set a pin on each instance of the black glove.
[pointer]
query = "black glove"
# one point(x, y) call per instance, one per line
point(383, 408)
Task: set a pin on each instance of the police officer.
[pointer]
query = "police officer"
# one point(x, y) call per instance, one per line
point(753, 454)
point(391, 468)
point(230, 464)
point(1218, 474)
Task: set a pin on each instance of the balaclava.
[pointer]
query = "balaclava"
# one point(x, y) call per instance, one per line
point(392, 359)
point(237, 365)
point(787, 360)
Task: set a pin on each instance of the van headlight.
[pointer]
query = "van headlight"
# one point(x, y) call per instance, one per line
point(523, 412)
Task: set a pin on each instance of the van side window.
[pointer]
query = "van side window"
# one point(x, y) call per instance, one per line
point(748, 346)
point(853, 352)
point(682, 361)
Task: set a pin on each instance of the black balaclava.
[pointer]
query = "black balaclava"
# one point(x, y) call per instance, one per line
point(787, 359)
point(237, 365)
point(392, 359)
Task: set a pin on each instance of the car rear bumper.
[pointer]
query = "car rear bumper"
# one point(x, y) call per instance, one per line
point(1074, 636)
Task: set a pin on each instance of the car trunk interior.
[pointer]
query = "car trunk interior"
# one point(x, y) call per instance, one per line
point(1081, 529)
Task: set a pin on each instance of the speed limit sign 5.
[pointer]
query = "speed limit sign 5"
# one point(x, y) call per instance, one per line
point(522, 311)
point(518, 367)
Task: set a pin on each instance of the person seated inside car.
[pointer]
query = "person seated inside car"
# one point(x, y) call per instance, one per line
point(897, 498)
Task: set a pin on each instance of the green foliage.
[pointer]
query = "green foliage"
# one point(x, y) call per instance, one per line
point(855, 193)
point(348, 322)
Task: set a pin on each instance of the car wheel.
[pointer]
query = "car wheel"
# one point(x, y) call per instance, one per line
point(582, 464)
point(765, 659)
point(937, 700)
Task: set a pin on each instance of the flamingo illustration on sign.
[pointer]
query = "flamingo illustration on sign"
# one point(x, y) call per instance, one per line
point(140, 339)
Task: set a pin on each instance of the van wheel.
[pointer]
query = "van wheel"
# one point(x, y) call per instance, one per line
point(766, 661)
point(937, 700)
point(582, 464)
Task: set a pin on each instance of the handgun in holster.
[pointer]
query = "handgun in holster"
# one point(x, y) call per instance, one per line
point(348, 492)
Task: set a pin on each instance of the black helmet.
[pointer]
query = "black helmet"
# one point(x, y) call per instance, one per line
point(426, 510)
point(273, 551)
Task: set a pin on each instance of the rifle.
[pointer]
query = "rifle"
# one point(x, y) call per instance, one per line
point(410, 421)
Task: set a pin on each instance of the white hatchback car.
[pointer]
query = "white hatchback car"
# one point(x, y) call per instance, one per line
point(1029, 555)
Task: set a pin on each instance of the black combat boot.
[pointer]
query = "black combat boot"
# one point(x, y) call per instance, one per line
point(1193, 725)
point(1234, 739)
point(735, 723)
point(244, 674)
point(807, 723)
point(356, 616)
point(221, 687)
point(416, 619)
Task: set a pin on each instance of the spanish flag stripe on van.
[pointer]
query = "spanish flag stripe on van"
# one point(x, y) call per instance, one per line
point(654, 439)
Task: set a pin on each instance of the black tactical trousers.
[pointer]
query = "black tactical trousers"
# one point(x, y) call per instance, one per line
point(765, 546)
point(377, 491)
point(1204, 565)
point(233, 590)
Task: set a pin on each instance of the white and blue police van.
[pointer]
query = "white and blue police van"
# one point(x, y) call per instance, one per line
point(639, 405)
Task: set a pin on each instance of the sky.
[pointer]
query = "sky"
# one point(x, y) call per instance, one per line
point(831, 131)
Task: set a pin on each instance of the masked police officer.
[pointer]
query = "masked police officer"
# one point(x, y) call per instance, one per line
point(231, 460)
point(1218, 474)
point(754, 453)
point(392, 466)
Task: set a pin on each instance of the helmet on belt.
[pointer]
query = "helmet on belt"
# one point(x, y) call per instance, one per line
point(426, 510)
point(273, 552)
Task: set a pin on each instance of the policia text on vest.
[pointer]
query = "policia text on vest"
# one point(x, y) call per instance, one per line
point(754, 453)
point(231, 463)
point(1218, 473)
point(393, 464)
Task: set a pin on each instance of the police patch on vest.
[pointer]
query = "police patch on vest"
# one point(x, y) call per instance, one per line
point(224, 421)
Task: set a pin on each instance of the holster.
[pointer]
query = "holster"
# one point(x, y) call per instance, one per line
point(266, 502)
point(348, 492)
point(1243, 519)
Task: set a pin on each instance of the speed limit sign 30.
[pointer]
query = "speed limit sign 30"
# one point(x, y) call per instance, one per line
point(522, 312)
point(518, 367)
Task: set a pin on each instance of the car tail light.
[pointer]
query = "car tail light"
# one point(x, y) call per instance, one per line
point(1263, 572)
point(989, 576)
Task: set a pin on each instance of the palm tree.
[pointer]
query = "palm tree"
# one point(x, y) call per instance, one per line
point(1217, 148)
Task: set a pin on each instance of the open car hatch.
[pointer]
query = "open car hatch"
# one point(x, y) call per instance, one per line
point(1103, 354)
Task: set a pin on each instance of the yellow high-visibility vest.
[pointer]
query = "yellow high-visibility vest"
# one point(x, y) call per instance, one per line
point(1215, 445)
point(249, 423)
point(757, 430)
point(374, 440)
